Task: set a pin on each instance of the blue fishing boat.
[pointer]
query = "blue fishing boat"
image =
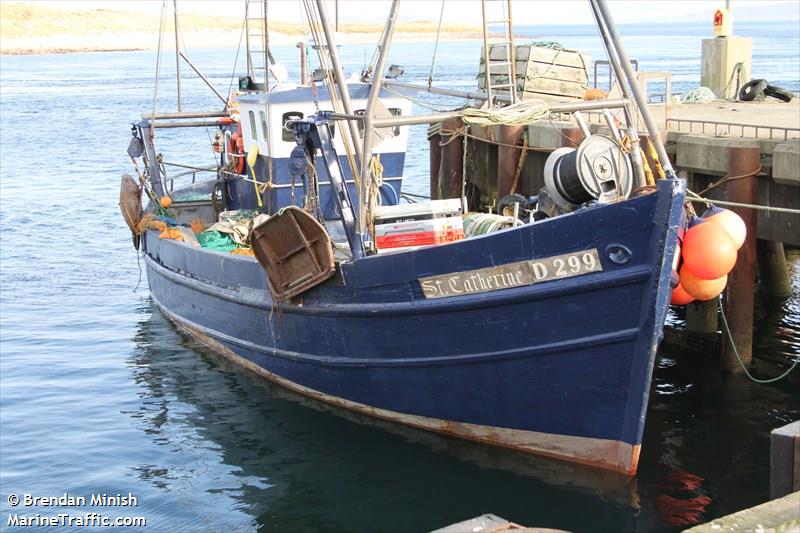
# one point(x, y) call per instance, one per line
point(538, 335)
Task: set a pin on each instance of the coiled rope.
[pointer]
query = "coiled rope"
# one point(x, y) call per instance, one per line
point(519, 114)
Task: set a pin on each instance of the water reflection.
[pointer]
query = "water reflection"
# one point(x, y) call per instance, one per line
point(245, 454)
point(293, 463)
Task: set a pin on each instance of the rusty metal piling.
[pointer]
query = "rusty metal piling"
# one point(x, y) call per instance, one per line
point(508, 137)
point(743, 164)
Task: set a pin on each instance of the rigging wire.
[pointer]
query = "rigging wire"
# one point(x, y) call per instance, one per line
point(436, 47)
point(158, 61)
point(315, 25)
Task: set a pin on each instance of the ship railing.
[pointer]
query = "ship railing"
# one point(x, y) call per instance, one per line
point(190, 171)
point(729, 129)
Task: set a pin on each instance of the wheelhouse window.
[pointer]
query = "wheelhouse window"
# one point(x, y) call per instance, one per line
point(253, 130)
point(264, 127)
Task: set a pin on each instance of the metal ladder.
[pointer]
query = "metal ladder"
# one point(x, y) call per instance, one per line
point(507, 65)
point(258, 57)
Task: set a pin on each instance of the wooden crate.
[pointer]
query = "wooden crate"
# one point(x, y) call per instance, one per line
point(550, 74)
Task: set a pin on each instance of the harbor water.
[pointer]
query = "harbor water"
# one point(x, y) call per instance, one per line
point(100, 394)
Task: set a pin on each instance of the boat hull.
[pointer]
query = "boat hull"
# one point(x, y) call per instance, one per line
point(560, 368)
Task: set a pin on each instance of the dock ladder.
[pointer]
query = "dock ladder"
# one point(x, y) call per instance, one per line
point(499, 54)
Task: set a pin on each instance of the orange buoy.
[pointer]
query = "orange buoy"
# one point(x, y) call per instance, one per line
point(701, 289)
point(680, 296)
point(730, 221)
point(165, 201)
point(708, 250)
point(595, 94)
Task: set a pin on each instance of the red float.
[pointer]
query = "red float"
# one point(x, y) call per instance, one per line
point(680, 296)
point(708, 251)
point(701, 289)
point(730, 221)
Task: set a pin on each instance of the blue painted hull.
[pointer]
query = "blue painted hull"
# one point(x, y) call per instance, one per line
point(561, 368)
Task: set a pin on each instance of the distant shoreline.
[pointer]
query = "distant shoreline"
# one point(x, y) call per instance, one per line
point(129, 42)
point(31, 28)
point(137, 42)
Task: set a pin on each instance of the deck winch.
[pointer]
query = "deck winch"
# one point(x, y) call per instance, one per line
point(598, 170)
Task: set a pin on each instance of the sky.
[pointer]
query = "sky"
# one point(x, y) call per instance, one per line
point(525, 12)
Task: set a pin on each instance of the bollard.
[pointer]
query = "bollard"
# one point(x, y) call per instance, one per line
point(772, 269)
point(452, 164)
point(739, 294)
point(507, 157)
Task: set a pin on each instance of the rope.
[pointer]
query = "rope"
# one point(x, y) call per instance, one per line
point(654, 156)
point(726, 179)
point(648, 172)
point(463, 162)
point(739, 73)
point(736, 353)
point(786, 210)
point(436, 47)
point(419, 102)
point(519, 114)
point(522, 156)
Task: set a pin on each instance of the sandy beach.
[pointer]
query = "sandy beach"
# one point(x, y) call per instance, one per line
point(27, 28)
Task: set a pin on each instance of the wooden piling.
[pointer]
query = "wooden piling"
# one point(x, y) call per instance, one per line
point(434, 141)
point(772, 271)
point(743, 163)
point(452, 159)
point(507, 157)
point(701, 317)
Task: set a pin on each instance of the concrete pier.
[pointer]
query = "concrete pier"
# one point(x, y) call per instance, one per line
point(776, 515)
point(784, 461)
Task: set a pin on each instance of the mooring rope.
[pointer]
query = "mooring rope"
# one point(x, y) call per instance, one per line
point(694, 197)
point(738, 358)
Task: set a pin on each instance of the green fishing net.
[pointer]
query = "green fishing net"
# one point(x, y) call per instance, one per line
point(215, 240)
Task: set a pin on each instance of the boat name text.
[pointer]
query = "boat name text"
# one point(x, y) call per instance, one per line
point(511, 275)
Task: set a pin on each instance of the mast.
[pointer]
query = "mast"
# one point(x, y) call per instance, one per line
point(372, 100)
point(611, 37)
point(177, 54)
point(341, 82)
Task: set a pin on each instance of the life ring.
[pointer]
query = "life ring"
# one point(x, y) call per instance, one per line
point(779, 93)
point(235, 152)
point(752, 89)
